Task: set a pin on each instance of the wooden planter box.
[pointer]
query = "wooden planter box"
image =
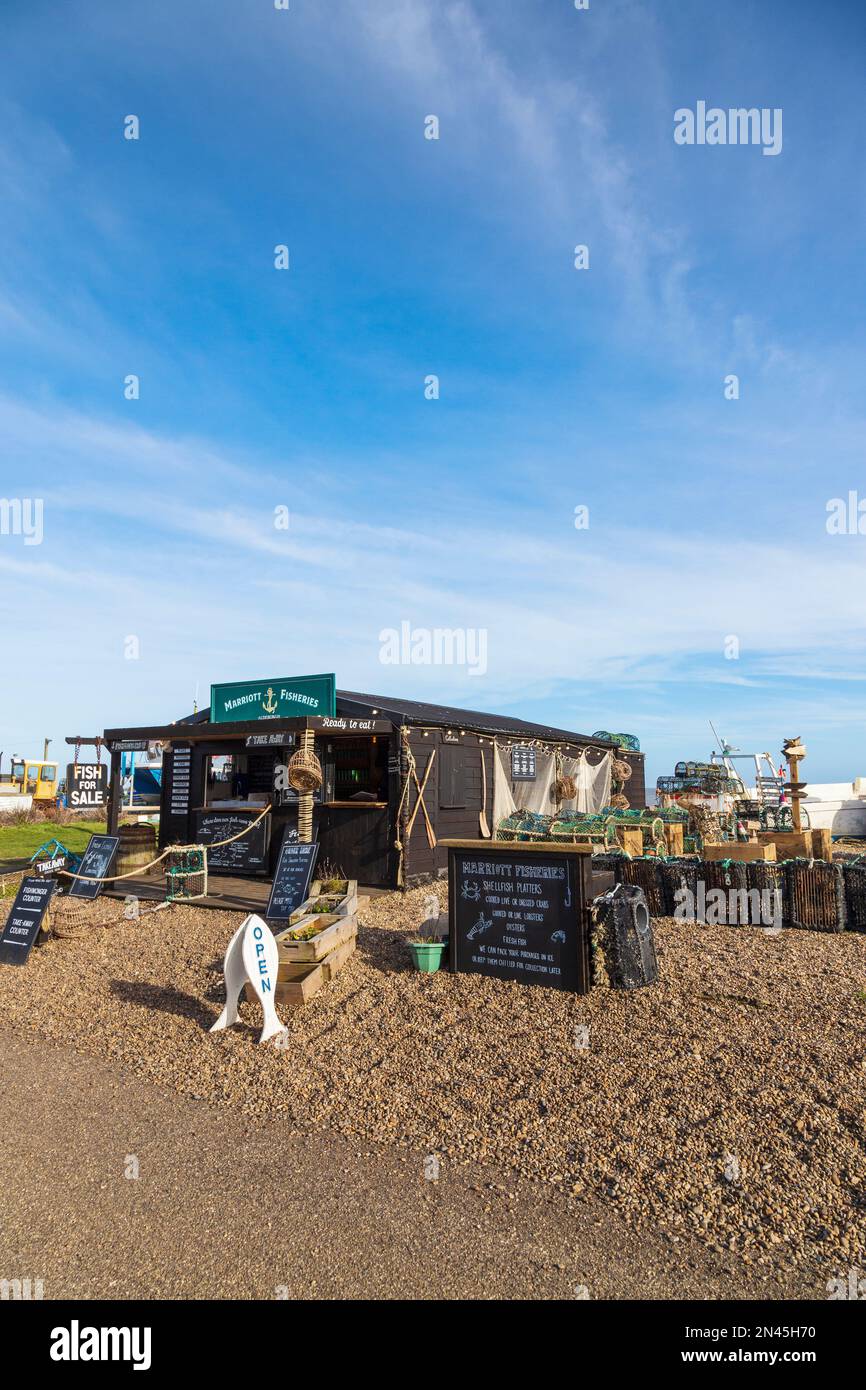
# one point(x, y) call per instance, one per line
point(344, 906)
point(336, 931)
point(299, 982)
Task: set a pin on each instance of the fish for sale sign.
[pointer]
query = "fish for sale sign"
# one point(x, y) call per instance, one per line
point(87, 786)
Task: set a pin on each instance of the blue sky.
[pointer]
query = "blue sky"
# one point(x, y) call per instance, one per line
point(409, 257)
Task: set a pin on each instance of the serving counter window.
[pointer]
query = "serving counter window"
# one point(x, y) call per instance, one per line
point(360, 770)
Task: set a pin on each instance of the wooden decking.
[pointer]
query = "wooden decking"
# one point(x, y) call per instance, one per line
point(229, 894)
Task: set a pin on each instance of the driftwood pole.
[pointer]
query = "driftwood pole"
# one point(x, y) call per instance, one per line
point(794, 752)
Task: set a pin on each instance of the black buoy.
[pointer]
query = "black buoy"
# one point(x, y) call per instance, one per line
point(624, 934)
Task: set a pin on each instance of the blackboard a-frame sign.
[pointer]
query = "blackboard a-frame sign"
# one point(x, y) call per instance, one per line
point(25, 919)
point(292, 879)
point(95, 866)
point(520, 912)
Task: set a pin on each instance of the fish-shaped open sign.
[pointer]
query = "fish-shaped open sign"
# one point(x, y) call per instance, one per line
point(252, 956)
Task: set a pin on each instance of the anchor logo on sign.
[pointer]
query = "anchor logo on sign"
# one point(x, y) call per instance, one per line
point(269, 705)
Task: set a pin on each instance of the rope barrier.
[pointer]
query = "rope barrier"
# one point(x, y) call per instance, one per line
point(172, 849)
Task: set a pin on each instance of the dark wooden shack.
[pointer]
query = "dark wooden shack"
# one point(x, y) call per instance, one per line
point(376, 752)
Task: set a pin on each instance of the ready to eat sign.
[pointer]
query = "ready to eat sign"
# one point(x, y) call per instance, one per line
point(283, 698)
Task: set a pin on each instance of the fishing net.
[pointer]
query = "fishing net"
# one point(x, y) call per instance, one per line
point(716, 786)
point(778, 818)
point(524, 825)
point(622, 935)
point(719, 876)
point(70, 917)
point(629, 742)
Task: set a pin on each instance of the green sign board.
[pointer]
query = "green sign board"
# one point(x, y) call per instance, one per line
point(285, 698)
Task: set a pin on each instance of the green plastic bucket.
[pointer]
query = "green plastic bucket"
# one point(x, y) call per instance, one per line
point(426, 956)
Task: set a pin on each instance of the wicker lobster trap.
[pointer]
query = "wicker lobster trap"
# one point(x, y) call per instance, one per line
point(855, 895)
point(815, 895)
point(304, 771)
point(644, 873)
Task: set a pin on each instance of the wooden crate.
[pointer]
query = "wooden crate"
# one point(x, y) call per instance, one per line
point(735, 850)
point(790, 844)
point(340, 929)
point(822, 845)
point(674, 836)
point(631, 839)
point(298, 983)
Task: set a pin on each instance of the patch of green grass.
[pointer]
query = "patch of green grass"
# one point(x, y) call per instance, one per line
point(20, 841)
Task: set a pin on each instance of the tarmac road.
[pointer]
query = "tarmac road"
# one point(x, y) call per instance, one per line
point(224, 1207)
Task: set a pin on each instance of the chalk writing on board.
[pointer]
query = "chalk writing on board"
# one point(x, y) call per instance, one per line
point(292, 878)
point(22, 926)
point(95, 865)
point(248, 854)
point(517, 918)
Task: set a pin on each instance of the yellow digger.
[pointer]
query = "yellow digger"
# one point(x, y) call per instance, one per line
point(30, 782)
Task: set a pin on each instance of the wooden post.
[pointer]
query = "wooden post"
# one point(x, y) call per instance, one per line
point(793, 764)
point(113, 810)
point(404, 813)
point(307, 743)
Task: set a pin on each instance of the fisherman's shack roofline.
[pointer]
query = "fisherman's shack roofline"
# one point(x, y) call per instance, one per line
point(398, 777)
point(381, 709)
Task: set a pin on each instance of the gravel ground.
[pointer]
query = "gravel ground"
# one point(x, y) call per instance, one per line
point(223, 1206)
point(727, 1103)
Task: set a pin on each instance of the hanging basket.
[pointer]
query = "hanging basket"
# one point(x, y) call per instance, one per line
point(304, 771)
point(620, 770)
point(565, 788)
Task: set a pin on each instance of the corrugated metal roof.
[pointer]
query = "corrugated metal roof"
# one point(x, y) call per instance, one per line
point(402, 711)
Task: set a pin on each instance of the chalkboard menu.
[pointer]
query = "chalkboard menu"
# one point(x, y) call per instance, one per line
point(96, 864)
point(520, 914)
point(523, 763)
point(249, 855)
point(24, 920)
point(292, 878)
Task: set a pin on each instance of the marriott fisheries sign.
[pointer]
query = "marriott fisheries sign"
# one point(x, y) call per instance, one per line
point(520, 912)
point(285, 698)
